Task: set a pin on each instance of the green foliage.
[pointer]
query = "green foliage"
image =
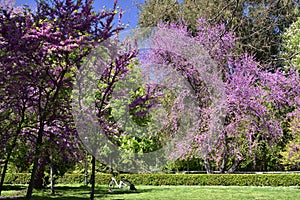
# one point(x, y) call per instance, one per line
point(131, 110)
point(216, 179)
point(102, 179)
point(257, 24)
point(17, 178)
point(291, 48)
point(145, 119)
point(135, 89)
point(139, 144)
point(158, 11)
point(189, 164)
point(177, 179)
point(291, 153)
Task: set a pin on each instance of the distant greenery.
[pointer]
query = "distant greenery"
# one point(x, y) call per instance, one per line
point(290, 44)
point(76, 192)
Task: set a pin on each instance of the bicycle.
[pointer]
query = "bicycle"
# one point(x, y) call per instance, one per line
point(123, 184)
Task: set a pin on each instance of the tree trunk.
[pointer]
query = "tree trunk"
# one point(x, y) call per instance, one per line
point(52, 179)
point(93, 178)
point(224, 162)
point(51, 166)
point(86, 173)
point(235, 165)
point(225, 155)
point(208, 166)
point(4, 172)
point(6, 164)
point(39, 178)
point(37, 153)
point(12, 147)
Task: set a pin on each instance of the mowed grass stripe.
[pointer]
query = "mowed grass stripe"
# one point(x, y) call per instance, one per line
point(79, 192)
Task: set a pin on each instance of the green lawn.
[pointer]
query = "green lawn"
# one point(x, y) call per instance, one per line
point(76, 192)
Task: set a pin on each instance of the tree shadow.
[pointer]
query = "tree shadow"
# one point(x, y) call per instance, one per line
point(43, 198)
point(75, 193)
point(72, 187)
point(13, 187)
point(138, 191)
point(17, 197)
point(61, 193)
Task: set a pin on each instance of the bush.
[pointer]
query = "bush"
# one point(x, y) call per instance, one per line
point(101, 179)
point(17, 178)
point(177, 179)
point(220, 179)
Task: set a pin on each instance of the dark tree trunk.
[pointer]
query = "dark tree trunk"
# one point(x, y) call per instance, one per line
point(12, 147)
point(37, 154)
point(39, 178)
point(224, 162)
point(3, 173)
point(93, 178)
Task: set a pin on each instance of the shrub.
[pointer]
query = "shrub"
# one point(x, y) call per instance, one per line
point(17, 178)
point(177, 179)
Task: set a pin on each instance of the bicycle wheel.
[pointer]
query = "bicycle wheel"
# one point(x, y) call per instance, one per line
point(125, 184)
point(111, 184)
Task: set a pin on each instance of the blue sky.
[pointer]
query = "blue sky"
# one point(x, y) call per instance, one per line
point(129, 7)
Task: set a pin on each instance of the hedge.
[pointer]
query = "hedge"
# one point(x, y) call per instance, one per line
point(216, 179)
point(17, 178)
point(177, 179)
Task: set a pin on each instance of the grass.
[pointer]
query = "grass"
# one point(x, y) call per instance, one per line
point(78, 192)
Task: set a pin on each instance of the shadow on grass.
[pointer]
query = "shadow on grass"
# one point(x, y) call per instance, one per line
point(72, 192)
point(120, 191)
point(13, 187)
point(61, 193)
point(43, 198)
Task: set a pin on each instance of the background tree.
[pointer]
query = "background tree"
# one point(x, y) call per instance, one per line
point(154, 11)
point(106, 66)
point(290, 46)
point(290, 56)
point(290, 155)
point(132, 113)
point(257, 25)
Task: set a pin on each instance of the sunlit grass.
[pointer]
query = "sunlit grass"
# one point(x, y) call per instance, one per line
point(76, 192)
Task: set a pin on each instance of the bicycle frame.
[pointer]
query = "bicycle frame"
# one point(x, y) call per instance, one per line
point(121, 184)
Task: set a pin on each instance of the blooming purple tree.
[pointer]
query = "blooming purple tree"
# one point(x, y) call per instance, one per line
point(14, 88)
point(256, 101)
point(40, 52)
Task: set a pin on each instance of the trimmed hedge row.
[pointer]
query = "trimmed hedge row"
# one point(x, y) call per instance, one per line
point(216, 179)
point(102, 179)
point(177, 179)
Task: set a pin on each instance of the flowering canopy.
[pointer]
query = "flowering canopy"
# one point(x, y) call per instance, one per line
point(40, 53)
point(257, 101)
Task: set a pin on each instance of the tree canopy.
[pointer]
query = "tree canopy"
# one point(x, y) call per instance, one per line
point(257, 25)
point(257, 101)
point(40, 53)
